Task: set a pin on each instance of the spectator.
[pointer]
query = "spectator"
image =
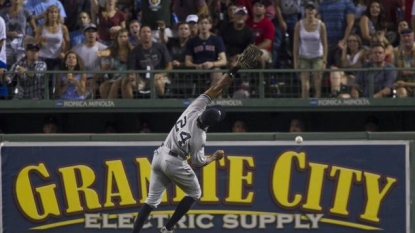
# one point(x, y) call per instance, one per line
point(128, 13)
point(154, 11)
point(53, 38)
point(27, 75)
point(206, 51)
point(296, 126)
point(239, 126)
point(40, 10)
point(69, 85)
point(228, 19)
point(372, 124)
point(373, 18)
point(181, 83)
point(88, 50)
point(310, 49)
point(50, 125)
point(16, 18)
point(148, 55)
point(394, 11)
point(353, 56)
point(110, 19)
point(77, 37)
point(4, 4)
point(111, 127)
point(4, 91)
point(402, 24)
point(183, 8)
point(236, 35)
point(382, 79)
point(404, 57)
point(286, 12)
point(177, 46)
point(379, 37)
point(134, 27)
point(146, 128)
point(73, 9)
point(192, 21)
point(339, 18)
point(269, 7)
point(119, 52)
point(264, 31)
point(361, 7)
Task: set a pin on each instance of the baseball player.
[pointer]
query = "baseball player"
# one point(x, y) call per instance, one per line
point(187, 138)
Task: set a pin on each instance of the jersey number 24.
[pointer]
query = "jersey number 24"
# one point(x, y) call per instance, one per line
point(184, 136)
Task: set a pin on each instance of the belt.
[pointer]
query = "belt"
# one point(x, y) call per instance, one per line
point(174, 154)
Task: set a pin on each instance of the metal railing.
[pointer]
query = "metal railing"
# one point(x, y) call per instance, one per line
point(182, 84)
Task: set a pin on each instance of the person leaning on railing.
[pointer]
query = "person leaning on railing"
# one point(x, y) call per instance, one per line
point(148, 56)
point(27, 75)
point(404, 57)
point(352, 57)
point(382, 80)
point(70, 85)
point(117, 60)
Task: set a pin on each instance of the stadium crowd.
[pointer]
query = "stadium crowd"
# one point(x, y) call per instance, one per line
point(121, 36)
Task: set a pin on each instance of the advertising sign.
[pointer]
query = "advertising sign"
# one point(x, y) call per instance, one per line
point(342, 187)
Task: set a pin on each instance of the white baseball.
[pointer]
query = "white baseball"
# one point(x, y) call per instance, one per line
point(298, 139)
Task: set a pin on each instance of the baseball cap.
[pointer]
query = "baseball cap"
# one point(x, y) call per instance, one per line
point(192, 19)
point(213, 115)
point(240, 9)
point(32, 47)
point(90, 26)
point(310, 5)
point(406, 31)
point(259, 1)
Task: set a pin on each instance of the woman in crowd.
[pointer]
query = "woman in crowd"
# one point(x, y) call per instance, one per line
point(373, 18)
point(117, 60)
point(16, 18)
point(69, 85)
point(352, 56)
point(53, 38)
point(310, 50)
point(110, 19)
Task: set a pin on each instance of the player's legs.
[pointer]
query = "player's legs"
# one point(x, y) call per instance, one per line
point(158, 184)
point(184, 177)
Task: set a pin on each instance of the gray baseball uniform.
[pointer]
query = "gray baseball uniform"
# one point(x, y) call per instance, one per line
point(169, 163)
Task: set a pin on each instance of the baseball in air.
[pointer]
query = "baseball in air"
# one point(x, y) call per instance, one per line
point(298, 139)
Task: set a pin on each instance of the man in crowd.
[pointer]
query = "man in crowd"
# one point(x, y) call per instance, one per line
point(264, 31)
point(28, 75)
point(148, 55)
point(88, 51)
point(382, 79)
point(404, 57)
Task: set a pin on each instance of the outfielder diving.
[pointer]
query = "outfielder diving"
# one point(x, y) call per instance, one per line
point(187, 138)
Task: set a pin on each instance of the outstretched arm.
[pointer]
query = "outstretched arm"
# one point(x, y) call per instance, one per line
point(248, 59)
point(216, 90)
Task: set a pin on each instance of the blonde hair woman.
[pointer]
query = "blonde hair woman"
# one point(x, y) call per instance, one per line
point(352, 56)
point(310, 49)
point(53, 38)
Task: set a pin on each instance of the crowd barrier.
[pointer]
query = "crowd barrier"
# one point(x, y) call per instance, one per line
point(331, 182)
point(261, 83)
